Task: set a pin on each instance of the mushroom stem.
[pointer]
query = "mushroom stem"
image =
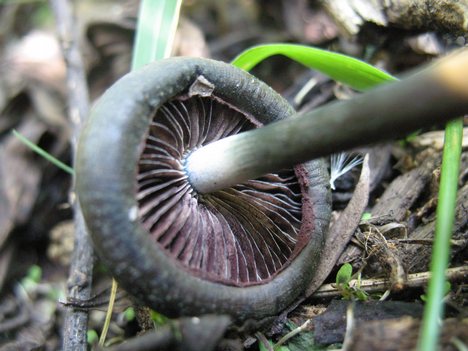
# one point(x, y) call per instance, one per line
point(434, 95)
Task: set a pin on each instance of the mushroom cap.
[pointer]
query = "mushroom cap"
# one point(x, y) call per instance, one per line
point(248, 251)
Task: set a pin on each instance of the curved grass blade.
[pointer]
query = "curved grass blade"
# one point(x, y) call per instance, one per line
point(347, 70)
point(157, 24)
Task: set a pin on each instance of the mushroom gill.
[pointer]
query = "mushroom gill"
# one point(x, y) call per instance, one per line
point(239, 236)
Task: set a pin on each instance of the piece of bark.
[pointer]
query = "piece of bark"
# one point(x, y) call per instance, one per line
point(330, 327)
point(402, 334)
point(435, 140)
point(441, 15)
point(403, 192)
point(351, 15)
point(342, 230)
point(417, 256)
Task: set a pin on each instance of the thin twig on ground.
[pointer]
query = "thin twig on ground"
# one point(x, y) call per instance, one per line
point(80, 278)
point(414, 280)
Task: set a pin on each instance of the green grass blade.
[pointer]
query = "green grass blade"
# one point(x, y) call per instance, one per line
point(433, 309)
point(43, 153)
point(347, 70)
point(157, 24)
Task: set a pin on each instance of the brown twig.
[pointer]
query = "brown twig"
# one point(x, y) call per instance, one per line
point(414, 280)
point(80, 279)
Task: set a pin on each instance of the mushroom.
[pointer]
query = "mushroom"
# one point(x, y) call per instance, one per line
point(247, 251)
point(164, 178)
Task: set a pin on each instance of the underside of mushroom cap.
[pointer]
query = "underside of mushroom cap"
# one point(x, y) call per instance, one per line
point(239, 236)
point(247, 251)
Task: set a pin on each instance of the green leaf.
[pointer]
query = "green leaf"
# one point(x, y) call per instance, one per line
point(157, 24)
point(32, 279)
point(129, 314)
point(92, 336)
point(158, 318)
point(347, 70)
point(34, 273)
point(366, 216)
point(361, 295)
point(344, 274)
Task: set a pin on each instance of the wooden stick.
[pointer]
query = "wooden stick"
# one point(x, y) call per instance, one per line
point(414, 280)
point(81, 268)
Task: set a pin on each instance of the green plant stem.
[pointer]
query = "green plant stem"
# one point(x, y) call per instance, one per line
point(43, 153)
point(434, 307)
